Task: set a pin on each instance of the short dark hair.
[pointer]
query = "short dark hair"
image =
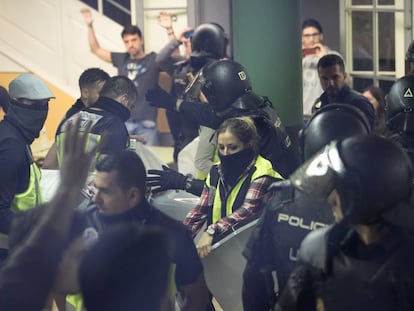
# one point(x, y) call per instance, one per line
point(91, 76)
point(129, 166)
point(131, 30)
point(331, 60)
point(25, 222)
point(311, 22)
point(119, 85)
point(127, 268)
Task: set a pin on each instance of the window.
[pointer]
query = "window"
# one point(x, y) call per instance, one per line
point(375, 41)
point(117, 10)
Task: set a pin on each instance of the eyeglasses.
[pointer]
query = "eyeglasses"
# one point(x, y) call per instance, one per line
point(311, 35)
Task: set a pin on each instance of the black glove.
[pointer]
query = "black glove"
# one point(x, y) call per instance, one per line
point(166, 179)
point(160, 98)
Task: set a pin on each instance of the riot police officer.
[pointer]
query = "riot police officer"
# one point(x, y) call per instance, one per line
point(208, 43)
point(364, 261)
point(399, 114)
point(228, 90)
point(290, 214)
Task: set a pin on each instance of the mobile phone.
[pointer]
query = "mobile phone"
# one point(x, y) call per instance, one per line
point(188, 34)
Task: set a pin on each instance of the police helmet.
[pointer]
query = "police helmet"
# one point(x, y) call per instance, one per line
point(209, 40)
point(371, 174)
point(400, 104)
point(331, 122)
point(224, 82)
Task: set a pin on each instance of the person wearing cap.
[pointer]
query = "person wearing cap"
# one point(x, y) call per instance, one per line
point(364, 260)
point(140, 68)
point(20, 176)
point(40, 252)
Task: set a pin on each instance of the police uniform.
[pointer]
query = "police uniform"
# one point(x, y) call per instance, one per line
point(364, 261)
point(339, 272)
point(289, 215)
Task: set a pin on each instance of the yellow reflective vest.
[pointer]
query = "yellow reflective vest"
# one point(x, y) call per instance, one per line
point(32, 195)
point(235, 197)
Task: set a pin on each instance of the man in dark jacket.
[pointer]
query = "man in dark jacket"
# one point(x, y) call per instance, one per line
point(333, 78)
point(120, 198)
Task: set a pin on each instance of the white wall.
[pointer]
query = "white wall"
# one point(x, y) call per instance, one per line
point(49, 38)
point(8, 65)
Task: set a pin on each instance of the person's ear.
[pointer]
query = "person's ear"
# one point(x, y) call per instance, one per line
point(321, 37)
point(123, 99)
point(84, 93)
point(334, 199)
point(134, 196)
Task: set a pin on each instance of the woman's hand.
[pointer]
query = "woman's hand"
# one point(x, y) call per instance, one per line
point(204, 245)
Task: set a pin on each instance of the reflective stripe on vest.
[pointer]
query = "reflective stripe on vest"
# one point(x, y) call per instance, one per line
point(32, 195)
point(262, 166)
point(92, 141)
point(74, 303)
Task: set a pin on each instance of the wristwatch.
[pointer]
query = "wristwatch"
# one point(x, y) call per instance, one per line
point(210, 231)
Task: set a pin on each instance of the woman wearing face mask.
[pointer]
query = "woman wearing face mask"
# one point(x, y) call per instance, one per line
point(234, 186)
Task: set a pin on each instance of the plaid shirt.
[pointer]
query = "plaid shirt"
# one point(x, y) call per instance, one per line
point(251, 205)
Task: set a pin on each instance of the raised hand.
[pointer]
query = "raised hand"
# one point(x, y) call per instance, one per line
point(87, 16)
point(165, 20)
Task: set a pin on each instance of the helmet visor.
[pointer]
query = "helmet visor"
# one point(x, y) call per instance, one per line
point(317, 176)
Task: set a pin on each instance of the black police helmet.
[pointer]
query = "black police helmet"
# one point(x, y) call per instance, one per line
point(371, 174)
point(224, 82)
point(331, 122)
point(209, 40)
point(377, 177)
point(400, 104)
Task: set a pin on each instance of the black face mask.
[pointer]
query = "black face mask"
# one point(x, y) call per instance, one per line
point(28, 118)
point(233, 165)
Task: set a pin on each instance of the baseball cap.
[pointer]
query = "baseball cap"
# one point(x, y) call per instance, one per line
point(30, 87)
